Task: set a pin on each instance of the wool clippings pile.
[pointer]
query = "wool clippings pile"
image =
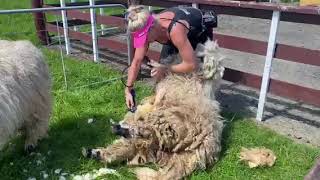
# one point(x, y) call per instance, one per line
point(95, 174)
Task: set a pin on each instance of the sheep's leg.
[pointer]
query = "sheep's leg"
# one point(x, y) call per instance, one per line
point(36, 129)
point(120, 150)
point(36, 126)
point(178, 167)
point(4, 137)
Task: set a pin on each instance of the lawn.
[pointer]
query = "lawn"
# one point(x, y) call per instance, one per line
point(69, 128)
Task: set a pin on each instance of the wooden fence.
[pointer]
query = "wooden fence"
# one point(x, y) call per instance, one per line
point(296, 14)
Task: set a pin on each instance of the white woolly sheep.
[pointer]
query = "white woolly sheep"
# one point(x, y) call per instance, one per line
point(25, 92)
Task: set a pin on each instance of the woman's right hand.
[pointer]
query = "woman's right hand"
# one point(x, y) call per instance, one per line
point(129, 99)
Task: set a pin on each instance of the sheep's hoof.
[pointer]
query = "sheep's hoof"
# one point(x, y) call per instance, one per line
point(119, 131)
point(90, 153)
point(86, 152)
point(30, 148)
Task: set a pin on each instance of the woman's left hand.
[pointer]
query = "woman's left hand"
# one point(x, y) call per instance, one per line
point(158, 70)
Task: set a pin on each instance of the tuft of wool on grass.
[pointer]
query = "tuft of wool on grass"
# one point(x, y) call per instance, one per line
point(257, 157)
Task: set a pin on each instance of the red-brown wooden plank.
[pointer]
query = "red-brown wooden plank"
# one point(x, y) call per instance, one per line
point(107, 20)
point(86, 38)
point(99, 2)
point(280, 88)
point(242, 78)
point(241, 44)
point(285, 52)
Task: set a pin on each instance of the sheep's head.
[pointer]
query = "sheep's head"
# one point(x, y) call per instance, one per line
point(211, 67)
point(131, 125)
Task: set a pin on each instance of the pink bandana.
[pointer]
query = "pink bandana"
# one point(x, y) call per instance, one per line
point(140, 36)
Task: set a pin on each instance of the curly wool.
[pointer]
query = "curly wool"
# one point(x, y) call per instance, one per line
point(25, 87)
point(212, 69)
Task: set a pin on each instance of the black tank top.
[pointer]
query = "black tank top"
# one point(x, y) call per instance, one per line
point(192, 15)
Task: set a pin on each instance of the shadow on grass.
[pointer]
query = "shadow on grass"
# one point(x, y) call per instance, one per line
point(68, 137)
point(229, 118)
point(61, 149)
point(235, 99)
point(229, 121)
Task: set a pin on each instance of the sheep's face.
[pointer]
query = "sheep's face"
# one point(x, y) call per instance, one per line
point(133, 124)
point(211, 66)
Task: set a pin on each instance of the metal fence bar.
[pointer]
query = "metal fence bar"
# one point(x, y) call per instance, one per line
point(61, 55)
point(129, 47)
point(75, 28)
point(129, 44)
point(267, 68)
point(102, 25)
point(94, 32)
point(65, 27)
point(17, 11)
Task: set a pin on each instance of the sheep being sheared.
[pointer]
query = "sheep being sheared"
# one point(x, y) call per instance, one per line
point(179, 128)
point(25, 92)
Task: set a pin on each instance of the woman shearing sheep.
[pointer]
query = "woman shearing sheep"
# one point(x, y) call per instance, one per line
point(178, 29)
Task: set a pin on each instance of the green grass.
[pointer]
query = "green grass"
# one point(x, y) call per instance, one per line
point(69, 130)
point(293, 160)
